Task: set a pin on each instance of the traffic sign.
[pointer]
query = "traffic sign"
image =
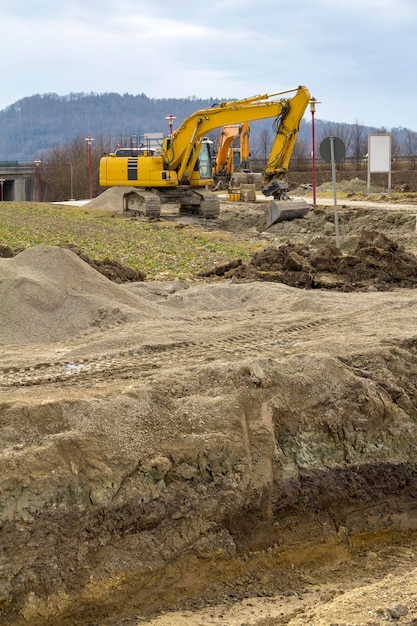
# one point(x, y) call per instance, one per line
point(339, 150)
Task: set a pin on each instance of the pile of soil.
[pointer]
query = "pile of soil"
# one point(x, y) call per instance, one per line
point(377, 263)
point(111, 269)
point(49, 293)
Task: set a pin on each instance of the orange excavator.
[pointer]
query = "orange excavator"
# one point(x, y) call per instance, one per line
point(228, 157)
point(231, 168)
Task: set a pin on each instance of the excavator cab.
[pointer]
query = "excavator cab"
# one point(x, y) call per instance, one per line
point(202, 174)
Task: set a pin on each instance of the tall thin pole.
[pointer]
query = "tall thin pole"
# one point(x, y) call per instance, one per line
point(313, 103)
point(71, 181)
point(38, 179)
point(336, 215)
point(2, 181)
point(313, 153)
point(89, 141)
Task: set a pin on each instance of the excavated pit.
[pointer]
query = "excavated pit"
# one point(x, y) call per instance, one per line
point(175, 446)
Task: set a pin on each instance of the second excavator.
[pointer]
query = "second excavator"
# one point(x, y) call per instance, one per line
point(229, 158)
point(180, 171)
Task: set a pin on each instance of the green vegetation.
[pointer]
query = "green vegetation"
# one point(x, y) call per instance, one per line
point(162, 250)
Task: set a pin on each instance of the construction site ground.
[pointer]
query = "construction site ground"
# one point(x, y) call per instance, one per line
point(235, 450)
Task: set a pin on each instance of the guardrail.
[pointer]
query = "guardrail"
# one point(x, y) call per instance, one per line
point(17, 165)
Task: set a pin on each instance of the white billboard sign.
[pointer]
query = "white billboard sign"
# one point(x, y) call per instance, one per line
point(379, 156)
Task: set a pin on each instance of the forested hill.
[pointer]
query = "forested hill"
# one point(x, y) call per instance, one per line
point(32, 125)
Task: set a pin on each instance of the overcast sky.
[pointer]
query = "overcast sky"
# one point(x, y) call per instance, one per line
point(358, 57)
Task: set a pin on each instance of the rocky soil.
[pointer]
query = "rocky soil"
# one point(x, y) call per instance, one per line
point(236, 450)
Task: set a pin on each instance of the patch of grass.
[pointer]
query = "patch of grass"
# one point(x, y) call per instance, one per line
point(161, 249)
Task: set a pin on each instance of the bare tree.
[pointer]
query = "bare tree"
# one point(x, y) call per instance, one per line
point(65, 169)
point(358, 145)
point(410, 148)
point(56, 174)
point(300, 158)
point(395, 145)
point(264, 144)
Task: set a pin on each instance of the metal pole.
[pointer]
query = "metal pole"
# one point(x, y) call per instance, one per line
point(89, 141)
point(170, 119)
point(71, 182)
point(313, 154)
point(2, 181)
point(313, 103)
point(38, 179)
point(90, 169)
point(336, 216)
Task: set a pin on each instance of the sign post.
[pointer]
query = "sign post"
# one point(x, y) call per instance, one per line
point(332, 149)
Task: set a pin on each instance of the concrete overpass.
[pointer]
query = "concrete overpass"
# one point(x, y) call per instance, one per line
point(19, 181)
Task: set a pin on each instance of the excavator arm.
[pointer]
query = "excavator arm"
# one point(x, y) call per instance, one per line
point(286, 128)
point(244, 146)
point(182, 147)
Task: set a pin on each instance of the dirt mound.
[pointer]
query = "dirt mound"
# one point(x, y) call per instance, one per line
point(49, 294)
point(113, 270)
point(377, 263)
point(111, 199)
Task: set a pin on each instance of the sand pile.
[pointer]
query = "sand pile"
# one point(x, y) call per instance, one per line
point(110, 200)
point(354, 185)
point(50, 294)
point(113, 270)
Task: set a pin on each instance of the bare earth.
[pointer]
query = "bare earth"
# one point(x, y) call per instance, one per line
point(239, 450)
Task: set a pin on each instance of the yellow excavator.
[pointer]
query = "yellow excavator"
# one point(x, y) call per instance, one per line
point(180, 171)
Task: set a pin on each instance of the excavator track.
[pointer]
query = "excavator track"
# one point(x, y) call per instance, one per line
point(142, 202)
point(201, 202)
point(210, 205)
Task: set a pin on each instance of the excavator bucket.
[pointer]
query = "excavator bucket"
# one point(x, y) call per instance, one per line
point(284, 210)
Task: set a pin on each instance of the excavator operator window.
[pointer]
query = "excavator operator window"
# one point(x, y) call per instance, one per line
point(204, 160)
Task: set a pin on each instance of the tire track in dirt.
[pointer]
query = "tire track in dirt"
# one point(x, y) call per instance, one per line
point(146, 360)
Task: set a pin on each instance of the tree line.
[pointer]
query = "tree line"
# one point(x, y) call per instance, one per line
point(65, 169)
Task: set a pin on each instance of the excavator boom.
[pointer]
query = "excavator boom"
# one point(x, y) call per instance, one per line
point(180, 147)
